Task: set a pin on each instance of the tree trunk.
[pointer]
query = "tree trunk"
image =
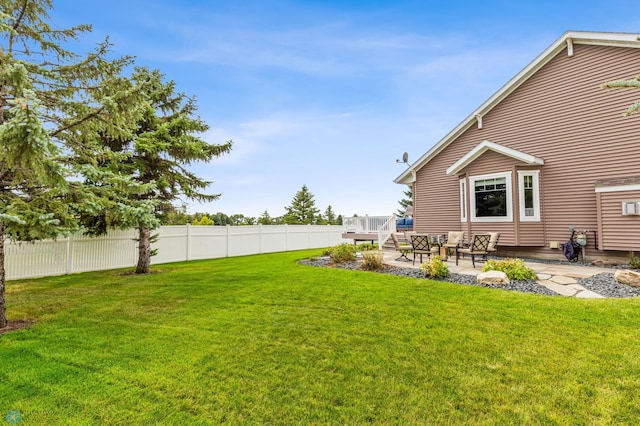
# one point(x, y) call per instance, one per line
point(3, 304)
point(144, 250)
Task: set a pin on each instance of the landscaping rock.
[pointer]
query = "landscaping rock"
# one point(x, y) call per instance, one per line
point(628, 277)
point(604, 263)
point(493, 277)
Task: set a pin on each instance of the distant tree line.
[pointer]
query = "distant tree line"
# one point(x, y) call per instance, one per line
point(301, 211)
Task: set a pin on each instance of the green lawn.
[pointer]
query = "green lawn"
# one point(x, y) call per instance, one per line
point(263, 340)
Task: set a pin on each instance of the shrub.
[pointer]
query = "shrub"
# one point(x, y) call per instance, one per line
point(435, 268)
point(372, 260)
point(514, 268)
point(341, 253)
point(366, 247)
point(634, 262)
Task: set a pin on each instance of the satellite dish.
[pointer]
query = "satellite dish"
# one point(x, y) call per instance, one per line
point(405, 158)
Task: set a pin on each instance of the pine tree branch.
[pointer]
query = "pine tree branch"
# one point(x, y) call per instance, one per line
point(77, 122)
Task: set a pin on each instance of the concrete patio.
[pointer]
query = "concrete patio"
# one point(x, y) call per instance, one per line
point(558, 278)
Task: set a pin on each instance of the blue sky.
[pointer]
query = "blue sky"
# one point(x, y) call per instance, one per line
point(329, 94)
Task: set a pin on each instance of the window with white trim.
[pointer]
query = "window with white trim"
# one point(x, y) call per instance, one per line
point(490, 199)
point(463, 200)
point(529, 195)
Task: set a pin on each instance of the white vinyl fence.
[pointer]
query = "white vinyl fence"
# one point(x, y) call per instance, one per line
point(119, 249)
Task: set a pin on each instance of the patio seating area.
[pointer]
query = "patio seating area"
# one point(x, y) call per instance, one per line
point(445, 245)
point(559, 278)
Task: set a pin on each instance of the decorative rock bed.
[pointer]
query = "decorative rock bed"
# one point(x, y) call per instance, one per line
point(603, 284)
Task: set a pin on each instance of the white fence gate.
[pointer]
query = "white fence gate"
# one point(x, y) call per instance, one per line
point(118, 249)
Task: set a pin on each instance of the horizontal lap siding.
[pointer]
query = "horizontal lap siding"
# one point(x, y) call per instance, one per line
point(561, 115)
point(619, 232)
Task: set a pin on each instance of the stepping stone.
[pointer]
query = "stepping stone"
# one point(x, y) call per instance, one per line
point(576, 275)
point(588, 294)
point(559, 288)
point(543, 276)
point(560, 279)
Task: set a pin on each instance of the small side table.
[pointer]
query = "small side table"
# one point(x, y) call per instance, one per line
point(444, 253)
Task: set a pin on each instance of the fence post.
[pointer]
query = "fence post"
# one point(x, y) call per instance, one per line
point(259, 238)
point(228, 237)
point(286, 237)
point(69, 256)
point(188, 241)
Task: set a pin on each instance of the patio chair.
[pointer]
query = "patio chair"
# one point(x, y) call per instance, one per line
point(479, 247)
point(422, 246)
point(493, 242)
point(454, 240)
point(402, 248)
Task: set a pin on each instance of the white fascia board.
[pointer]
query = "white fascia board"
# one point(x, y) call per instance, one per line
point(577, 37)
point(485, 146)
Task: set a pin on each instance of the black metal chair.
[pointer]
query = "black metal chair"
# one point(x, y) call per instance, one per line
point(422, 246)
point(479, 247)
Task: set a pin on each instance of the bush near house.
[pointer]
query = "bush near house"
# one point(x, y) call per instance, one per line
point(435, 268)
point(514, 268)
point(634, 262)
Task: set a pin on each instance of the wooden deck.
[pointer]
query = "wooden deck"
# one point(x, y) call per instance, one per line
point(361, 236)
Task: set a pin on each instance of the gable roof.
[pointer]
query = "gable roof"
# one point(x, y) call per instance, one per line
point(485, 146)
point(567, 40)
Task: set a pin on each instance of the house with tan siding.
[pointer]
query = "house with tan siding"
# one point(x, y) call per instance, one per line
point(549, 150)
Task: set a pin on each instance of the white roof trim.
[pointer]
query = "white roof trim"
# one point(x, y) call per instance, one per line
point(576, 37)
point(618, 188)
point(485, 146)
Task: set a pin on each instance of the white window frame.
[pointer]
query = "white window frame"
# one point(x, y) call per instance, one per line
point(472, 198)
point(536, 195)
point(463, 200)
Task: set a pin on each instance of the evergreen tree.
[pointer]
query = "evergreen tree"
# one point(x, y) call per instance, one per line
point(302, 209)
point(265, 219)
point(47, 92)
point(405, 202)
point(164, 141)
point(330, 216)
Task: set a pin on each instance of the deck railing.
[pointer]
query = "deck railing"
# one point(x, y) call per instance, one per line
point(364, 223)
point(384, 226)
point(386, 229)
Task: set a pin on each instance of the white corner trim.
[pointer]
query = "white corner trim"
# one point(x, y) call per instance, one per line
point(618, 188)
point(485, 146)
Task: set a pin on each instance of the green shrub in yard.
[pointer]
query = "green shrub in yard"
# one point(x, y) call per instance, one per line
point(372, 260)
point(366, 247)
point(435, 268)
point(345, 252)
point(342, 253)
point(514, 268)
point(634, 262)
